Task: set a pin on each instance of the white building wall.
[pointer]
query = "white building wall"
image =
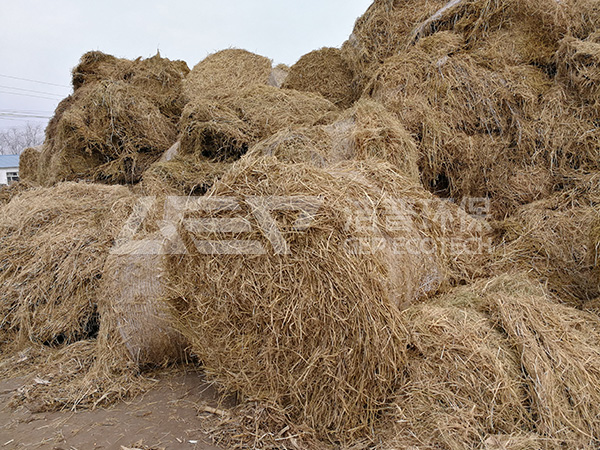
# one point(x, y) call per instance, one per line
point(3, 172)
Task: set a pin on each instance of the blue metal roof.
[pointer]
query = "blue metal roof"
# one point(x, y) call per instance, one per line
point(9, 161)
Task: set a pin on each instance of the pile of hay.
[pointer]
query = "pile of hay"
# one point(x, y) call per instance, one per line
point(379, 34)
point(182, 175)
point(554, 239)
point(54, 245)
point(365, 131)
point(461, 383)
point(559, 349)
point(65, 314)
point(28, 164)
point(497, 32)
point(473, 122)
point(226, 73)
point(8, 192)
point(225, 129)
point(470, 122)
point(296, 303)
point(323, 71)
point(578, 64)
point(499, 365)
point(121, 117)
point(159, 78)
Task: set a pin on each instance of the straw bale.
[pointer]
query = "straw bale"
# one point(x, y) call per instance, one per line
point(28, 164)
point(313, 332)
point(96, 66)
point(553, 239)
point(121, 117)
point(225, 130)
point(85, 319)
point(323, 71)
point(578, 64)
point(54, 244)
point(474, 124)
point(160, 78)
point(497, 32)
point(380, 33)
point(559, 348)
point(111, 132)
point(226, 73)
point(132, 293)
point(365, 131)
point(182, 175)
point(462, 381)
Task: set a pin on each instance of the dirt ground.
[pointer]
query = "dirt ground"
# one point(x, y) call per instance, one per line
point(165, 417)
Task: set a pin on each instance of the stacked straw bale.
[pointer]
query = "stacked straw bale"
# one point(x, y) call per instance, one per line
point(89, 320)
point(501, 364)
point(28, 164)
point(225, 129)
point(309, 323)
point(365, 131)
point(54, 245)
point(325, 72)
point(225, 74)
point(555, 238)
point(121, 117)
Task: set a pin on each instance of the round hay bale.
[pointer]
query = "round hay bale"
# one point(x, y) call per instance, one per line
point(552, 239)
point(559, 349)
point(54, 243)
point(96, 66)
point(462, 381)
point(160, 78)
point(182, 176)
point(325, 72)
point(365, 131)
point(122, 115)
point(497, 32)
point(131, 299)
point(380, 33)
point(225, 130)
point(578, 65)
point(111, 132)
point(28, 164)
point(472, 123)
point(226, 73)
point(303, 313)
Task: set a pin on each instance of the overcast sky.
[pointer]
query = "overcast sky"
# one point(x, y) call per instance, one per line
point(42, 40)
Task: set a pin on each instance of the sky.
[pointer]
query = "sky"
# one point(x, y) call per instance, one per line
point(42, 40)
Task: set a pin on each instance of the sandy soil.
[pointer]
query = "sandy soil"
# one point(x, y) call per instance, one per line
point(166, 417)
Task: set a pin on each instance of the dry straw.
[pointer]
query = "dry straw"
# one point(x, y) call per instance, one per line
point(226, 73)
point(559, 349)
point(365, 131)
point(314, 333)
point(182, 175)
point(54, 245)
point(28, 164)
point(555, 240)
point(225, 129)
point(325, 72)
point(67, 317)
point(461, 382)
point(121, 117)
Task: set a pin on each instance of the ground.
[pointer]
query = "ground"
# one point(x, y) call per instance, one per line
point(166, 417)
